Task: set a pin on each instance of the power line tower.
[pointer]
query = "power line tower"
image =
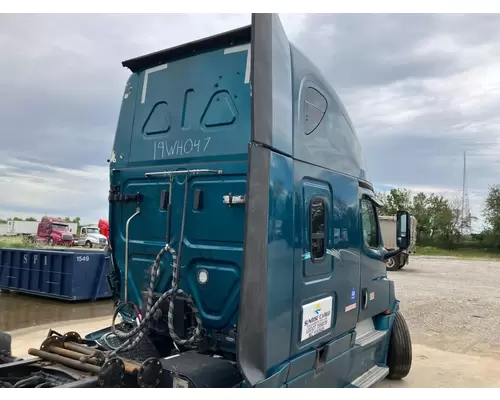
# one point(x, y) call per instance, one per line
point(466, 215)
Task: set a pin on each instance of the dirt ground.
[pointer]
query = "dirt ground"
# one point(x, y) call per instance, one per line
point(23, 339)
point(452, 308)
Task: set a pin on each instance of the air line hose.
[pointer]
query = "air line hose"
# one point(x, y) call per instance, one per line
point(133, 337)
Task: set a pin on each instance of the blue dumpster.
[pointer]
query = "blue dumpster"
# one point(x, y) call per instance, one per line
point(61, 274)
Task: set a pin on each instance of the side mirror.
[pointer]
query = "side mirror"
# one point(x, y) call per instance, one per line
point(403, 230)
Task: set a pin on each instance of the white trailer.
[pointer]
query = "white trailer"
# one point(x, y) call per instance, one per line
point(29, 227)
point(4, 229)
point(388, 230)
point(22, 227)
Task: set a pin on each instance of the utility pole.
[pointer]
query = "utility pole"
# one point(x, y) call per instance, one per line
point(466, 216)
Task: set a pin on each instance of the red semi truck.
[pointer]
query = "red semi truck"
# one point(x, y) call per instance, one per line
point(54, 231)
point(103, 226)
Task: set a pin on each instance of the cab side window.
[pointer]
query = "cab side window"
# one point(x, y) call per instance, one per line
point(369, 223)
point(315, 106)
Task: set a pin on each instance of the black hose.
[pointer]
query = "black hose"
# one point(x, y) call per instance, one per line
point(133, 337)
point(115, 274)
point(45, 385)
point(32, 380)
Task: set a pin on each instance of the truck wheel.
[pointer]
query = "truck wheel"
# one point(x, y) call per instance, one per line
point(402, 260)
point(50, 242)
point(88, 244)
point(392, 264)
point(399, 356)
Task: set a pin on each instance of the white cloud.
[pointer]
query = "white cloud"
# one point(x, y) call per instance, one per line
point(33, 189)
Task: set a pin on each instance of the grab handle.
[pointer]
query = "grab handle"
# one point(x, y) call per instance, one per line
point(231, 199)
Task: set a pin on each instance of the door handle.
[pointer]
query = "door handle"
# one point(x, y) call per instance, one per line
point(364, 297)
point(231, 199)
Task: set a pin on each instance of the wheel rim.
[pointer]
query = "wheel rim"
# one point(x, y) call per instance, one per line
point(390, 262)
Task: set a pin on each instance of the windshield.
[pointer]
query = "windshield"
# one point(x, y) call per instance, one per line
point(92, 230)
point(60, 227)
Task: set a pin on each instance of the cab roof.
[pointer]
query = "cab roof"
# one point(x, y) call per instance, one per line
point(56, 219)
point(225, 39)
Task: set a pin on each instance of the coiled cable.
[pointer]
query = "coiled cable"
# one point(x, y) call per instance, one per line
point(133, 337)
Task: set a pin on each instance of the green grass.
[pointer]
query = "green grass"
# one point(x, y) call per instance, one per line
point(466, 253)
point(15, 242)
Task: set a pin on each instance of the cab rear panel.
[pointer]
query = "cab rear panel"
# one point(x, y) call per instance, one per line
point(188, 113)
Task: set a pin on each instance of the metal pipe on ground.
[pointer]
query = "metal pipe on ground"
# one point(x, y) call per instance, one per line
point(130, 366)
point(72, 354)
point(68, 362)
point(79, 349)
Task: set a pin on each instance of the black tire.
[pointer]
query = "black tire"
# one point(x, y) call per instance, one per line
point(88, 244)
point(403, 259)
point(392, 264)
point(50, 242)
point(399, 357)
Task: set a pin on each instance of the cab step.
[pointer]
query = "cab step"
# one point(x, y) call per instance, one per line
point(366, 334)
point(370, 377)
point(370, 338)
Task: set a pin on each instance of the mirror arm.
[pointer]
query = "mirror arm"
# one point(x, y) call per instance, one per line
point(389, 254)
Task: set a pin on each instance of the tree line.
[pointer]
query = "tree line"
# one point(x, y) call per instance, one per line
point(441, 222)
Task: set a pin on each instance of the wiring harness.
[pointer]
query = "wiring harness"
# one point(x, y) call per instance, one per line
point(133, 337)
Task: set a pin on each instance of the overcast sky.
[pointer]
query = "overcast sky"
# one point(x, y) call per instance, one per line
point(420, 90)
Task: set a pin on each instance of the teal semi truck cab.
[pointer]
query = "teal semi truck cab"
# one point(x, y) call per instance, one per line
point(243, 228)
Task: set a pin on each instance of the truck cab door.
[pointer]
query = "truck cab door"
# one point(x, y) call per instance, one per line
point(374, 296)
point(83, 235)
point(326, 280)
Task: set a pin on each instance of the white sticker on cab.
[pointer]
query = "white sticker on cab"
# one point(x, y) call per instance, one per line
point(316, 317)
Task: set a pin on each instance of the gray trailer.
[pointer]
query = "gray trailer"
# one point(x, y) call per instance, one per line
point(388, 230)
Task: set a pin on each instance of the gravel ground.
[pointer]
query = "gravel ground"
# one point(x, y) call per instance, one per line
point(452, 307)
point(452, 304)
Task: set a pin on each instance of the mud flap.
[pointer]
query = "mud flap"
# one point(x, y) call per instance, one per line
point(272, 127)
